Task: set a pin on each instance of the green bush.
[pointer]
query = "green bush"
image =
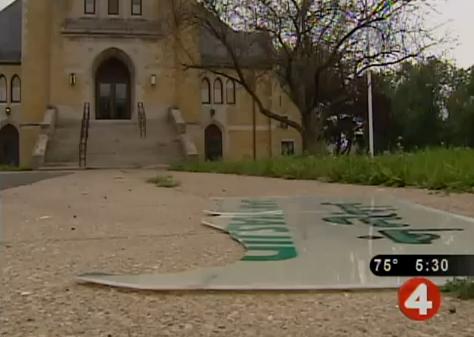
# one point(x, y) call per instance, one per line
point(461, 288)
point(436, 169)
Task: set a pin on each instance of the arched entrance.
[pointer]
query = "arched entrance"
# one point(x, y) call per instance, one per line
point(9, 146)
point(213, 142)
point(113, 90)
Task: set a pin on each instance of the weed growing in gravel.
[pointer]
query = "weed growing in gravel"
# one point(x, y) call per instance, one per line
point(164, 181)
point(8, 168)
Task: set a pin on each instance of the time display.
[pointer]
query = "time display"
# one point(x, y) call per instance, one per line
point(435, 265)
point(422, 265)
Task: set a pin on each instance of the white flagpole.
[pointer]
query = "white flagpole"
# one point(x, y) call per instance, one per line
point(371, 114)
point(369, 96)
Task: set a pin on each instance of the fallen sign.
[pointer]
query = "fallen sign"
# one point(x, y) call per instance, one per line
point(310, 243)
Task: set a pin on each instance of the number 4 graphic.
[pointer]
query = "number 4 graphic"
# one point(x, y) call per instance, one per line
point(419, 299)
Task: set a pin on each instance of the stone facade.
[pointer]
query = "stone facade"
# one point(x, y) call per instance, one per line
point(62, 48)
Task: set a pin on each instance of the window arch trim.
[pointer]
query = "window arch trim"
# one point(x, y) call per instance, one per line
point(3, 80)
point(218, 91)
point(15, 97)
point(206, 91)
point(230, 91)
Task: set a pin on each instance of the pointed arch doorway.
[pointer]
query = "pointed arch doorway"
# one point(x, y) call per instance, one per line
point(9, 146)
point(113, 90)
point(213, 143)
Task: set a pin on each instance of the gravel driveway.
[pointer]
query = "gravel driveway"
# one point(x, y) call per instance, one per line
point(112, 221)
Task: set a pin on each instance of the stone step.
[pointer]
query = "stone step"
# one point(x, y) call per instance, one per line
point(115, 144)
point(61, 166)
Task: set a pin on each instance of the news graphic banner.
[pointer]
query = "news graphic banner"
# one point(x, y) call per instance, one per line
point(313, 243)
point(423, 265)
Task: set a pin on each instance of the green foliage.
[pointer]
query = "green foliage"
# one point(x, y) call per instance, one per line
point(461, 110)
point(436, 169)
point(418, 101)
point(164, 181)
point(461, 288)
point(431, 103)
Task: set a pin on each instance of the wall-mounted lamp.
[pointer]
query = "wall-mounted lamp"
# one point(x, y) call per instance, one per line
point(72, 79)
point(213, 113)
point(153, 80)
point(8, 111)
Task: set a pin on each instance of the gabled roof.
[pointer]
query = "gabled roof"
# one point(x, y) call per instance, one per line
point(252, 49)
point(10, 33)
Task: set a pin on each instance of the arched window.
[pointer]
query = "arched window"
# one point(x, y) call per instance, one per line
point(218, 91)
point(3, 89)
point(230, 92)
point(16, 89)
point(114, 7)
point(136, 7)
point(205, 91)
point(89, 6)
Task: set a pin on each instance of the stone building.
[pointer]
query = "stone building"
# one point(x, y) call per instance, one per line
point(119, 61)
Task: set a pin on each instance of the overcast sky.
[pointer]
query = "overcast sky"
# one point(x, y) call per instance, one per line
point(458, 17)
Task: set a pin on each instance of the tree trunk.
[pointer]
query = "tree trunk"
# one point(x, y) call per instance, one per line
point(311, 144)
point(311, 134)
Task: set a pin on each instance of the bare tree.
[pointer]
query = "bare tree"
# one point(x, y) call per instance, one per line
point(315, 48)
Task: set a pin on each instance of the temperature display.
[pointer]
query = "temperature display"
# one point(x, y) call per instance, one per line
point(423, 265)
point(383, 264)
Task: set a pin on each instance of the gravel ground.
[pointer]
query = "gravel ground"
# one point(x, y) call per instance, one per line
point(112, 221)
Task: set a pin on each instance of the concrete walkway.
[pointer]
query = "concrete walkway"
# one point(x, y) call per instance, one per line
point(14, 179)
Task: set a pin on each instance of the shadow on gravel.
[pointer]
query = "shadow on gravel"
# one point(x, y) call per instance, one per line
point(15, 179)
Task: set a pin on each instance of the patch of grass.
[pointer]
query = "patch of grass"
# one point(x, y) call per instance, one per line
point(435, 169)
point(461, 288)
point(8, 168)
point(164, 181)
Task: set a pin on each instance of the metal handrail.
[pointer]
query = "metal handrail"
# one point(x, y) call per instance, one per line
point(86, 115)
point(142, 119)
